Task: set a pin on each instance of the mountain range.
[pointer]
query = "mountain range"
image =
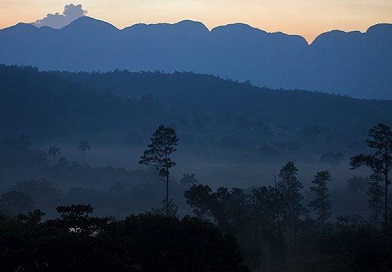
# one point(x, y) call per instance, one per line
point(348, 63)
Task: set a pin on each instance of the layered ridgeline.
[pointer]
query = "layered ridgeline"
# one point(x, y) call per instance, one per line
point(203, 109)
point(356, 64)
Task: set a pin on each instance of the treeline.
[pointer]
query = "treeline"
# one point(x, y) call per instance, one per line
point(78, 241)
point(210, 95)
point(271, 223)
point(277, 227)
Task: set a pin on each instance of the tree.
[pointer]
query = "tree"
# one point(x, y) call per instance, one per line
point(163, 210)
point(188, 180)
point(46, 196)
point(380, 162)
point(266, 208)
point(288, 186)
point(234, 212)
point(200, 198)
point(266, 204)
point(321, 204)
point(227, 207)
point(76, 218)
point(54, 151)
point(17, 202)
point(84, 146)
point(375, 193)
point(163, 143)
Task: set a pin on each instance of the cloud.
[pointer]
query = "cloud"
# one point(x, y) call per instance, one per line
point(57, 20)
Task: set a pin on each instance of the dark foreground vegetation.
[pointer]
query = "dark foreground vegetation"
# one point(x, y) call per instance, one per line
point(78, 241)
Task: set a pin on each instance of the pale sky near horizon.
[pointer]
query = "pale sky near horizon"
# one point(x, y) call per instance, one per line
point(307, 18)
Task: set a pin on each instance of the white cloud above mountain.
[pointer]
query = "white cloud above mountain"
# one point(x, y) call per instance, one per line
point(71, 13)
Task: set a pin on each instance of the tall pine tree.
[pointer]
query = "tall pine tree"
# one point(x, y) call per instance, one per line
point(289, 188)
point(321, 204)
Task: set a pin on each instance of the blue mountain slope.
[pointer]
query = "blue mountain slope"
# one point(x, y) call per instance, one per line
point(350, 63)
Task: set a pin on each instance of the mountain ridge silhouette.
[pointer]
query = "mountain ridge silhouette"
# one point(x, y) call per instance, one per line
point(349, 63)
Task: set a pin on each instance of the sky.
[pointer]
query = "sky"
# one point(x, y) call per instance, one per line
point(307, 18)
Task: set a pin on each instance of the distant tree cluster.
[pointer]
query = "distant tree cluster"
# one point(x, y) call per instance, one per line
point(273, 216)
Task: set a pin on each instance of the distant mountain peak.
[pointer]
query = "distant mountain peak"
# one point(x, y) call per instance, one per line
point(332, 36)
point(189, 25)
point(380, 28)
point(192, 25)
point(238, 27)
point(86, 22)
point(21, 26)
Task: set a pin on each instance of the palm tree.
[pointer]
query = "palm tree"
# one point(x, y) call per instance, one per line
point(84, 146)
point(53, 151)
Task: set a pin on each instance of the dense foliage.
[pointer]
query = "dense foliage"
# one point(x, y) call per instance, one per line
point(78, 241)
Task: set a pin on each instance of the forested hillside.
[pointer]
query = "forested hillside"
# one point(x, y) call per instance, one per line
point(124, 107)
point(45, 106)
point(185, 93)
